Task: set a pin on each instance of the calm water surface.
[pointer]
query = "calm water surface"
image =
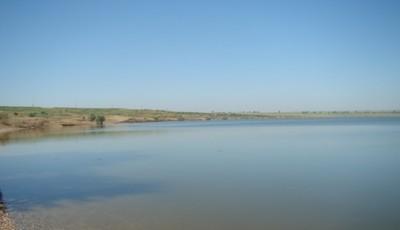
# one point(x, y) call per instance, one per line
point(274, 174)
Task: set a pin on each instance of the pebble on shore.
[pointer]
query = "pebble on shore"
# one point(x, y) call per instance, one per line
point(5, 222)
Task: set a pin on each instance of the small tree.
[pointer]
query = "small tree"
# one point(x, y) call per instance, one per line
point(92, 117)
point(100, 120)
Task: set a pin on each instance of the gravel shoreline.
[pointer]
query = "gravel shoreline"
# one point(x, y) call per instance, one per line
point(5, 222)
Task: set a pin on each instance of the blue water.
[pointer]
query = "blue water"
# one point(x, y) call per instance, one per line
point(272, 174)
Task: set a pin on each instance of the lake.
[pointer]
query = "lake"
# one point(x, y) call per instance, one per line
point(272, 174)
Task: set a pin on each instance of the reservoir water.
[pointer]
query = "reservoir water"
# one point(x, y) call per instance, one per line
point(223, 175)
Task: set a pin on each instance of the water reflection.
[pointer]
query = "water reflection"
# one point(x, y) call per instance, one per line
point(244, 175)
point(32, 135)
point(47, 180)
point(155, 128)
point(50, 191)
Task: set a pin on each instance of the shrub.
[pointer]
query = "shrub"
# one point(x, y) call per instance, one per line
point(33, 114)
point(92, 117)
point(100, 120)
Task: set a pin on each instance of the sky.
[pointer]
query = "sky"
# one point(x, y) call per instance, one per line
point(201, 55)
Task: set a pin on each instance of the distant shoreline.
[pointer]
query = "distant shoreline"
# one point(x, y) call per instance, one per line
point(13, 118)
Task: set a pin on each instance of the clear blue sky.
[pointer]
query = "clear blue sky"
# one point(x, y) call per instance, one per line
point(201, 55)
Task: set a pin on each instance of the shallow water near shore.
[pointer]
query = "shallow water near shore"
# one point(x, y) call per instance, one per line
point(270, 174)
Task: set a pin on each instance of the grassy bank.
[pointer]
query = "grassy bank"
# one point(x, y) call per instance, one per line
point(14, 118)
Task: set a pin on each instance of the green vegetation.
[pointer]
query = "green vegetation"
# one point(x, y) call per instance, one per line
point(100, 120)
point(92, 117)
